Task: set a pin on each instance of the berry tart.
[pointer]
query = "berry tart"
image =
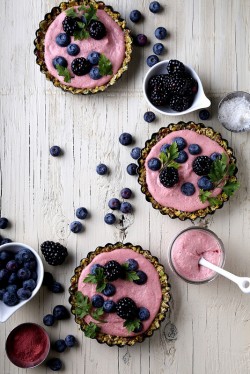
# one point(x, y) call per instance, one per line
point(187, 170)
point(83, 46)
point(119, 294)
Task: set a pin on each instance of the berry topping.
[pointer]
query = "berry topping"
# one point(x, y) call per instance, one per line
point(188, 189)
point(160, 33)
point(82, 213)
point(202, 165)
point(182, 157)
point(94, 268)
point(181, 143)
point(194, 149)
point(109, 218)
point(158, 48)
point(93, 57)
point(132, 264)
point(169, 176)
point(73, 49)
point(135, 16)
point(59, 345)
point(215, 156)
point(70, 341)
point(54, 364)
point(3, 223)
point(54, 253)
point(109, 306)
point(152, 60)
point(143, 314)
point(149, 117)
point(95, 73)
point(49, 320)
point(132, 169)
point(139, 328)
point(154, 164)
point(205, 184)
point(59, 60)
point(175, 66)
point(114, 204)
point(204, 114)
point(142, 277)
point(126, 308)
point(164, 148)
point(126, 193)
point(126, 207)
point(140, 40)
point(125, 138)
point(96, 29)
point(135, 153)
point(76, 227)
point(154, 7)
point(180, 103)
point(55, 151)
point(97, 301)
point(113, 270)
point(60, 312)
point(80, 66)
point(63, 39)
point(101, 169)
point(69, 25)
point(109, 290)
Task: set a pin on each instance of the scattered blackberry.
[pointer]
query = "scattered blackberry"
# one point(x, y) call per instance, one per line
point(169, 176)
point(69, 25)
point(54, 253)
point(80, 66)
point(96, 29)
point(180, 103)
point(202, 165)
point(113, 270)
point(126, 308)
point(175, 66)
point(158, 97)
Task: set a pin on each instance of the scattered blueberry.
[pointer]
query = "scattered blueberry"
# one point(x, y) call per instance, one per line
point(143, 314)
point(164, 147)
point(152, 60)
point(76, 227)
point(205, 184)
point(60, 312)
point(82, 213)
point(95, 73)
point(70, 341)
point(10, 299)
point(47, 279)
point(140, 40)
point(139, 328)
point(135, 16)
point(149, 116)
point(49, 320)
point(125, 138)
point(29, 284)
point(97, 301)
point(154, 7)
point(158, 48)
point(12, 265)
point(60, 345)
point(114, 204)
point(132, 169)
point(23, 294)
point(215, 156)
point(63, 39)
point(54, 364)
point(182, 157)
point(56, 287)
point(94, 267)
point(59, 60)
point(154, 164)
point(101, 169)
point(126, 193)
point(109, 290)
point(194, 149)
point(109, 306)
point(188, 189)
point(160, 33)
point(73, 49)
point(181, 143)
point(142, 277)
point(55, 151)
point(204, 114)
point(109, 218)
point(3, 223)
point(94, 57)
point(5, 241)
point(126, 207)
point(132, 264)
point(23, 274)
point(135, 153)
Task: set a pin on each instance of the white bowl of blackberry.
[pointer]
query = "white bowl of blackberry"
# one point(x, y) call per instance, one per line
point(174, 89)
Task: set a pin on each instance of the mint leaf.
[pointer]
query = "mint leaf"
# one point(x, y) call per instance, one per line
point(173, 164)
point(81, 33)
point(105, 66)
point(83, 305)
point(231, 169)
point(97, 313)
point(204, 195)
point(98, 278)
point(173, 151)
point(231, 187)
point(131, 275)
point(64, 72)
point(89, 13)
point(132, 325)
point(218, 169)
point(168, 157)
point(91, 330)
point(214, 201)
point(163, 157)
point(71, 13)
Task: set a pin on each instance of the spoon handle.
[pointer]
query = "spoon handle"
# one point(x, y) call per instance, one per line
point(217, 269)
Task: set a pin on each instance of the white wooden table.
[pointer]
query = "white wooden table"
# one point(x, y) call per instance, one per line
point(39, 193)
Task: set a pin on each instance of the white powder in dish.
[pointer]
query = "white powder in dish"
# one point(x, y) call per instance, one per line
point(235, 114)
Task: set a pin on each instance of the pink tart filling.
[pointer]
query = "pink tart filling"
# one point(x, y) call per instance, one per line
point(173, 197)
point(148, 295)
point(112, 45)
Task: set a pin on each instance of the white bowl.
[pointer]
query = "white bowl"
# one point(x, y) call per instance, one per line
point(200, 99)
point(5, 310)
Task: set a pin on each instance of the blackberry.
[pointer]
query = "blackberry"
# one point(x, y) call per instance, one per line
point(158, 97)
point(177, 84)
point(191, 87)
point(202, 165)
point(80, 66)
point(175, 66)
point(96, 29)
point(69, 25)
point(158, 81)
point(179, 103)
point(126, 308)
point(113, 270)
point(169, 177)
point(54, 253)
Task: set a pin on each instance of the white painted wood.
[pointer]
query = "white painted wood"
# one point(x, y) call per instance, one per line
point(39, 194)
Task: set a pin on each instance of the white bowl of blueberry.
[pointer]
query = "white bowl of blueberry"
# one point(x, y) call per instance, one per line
point(174, 89)
point(21, 276)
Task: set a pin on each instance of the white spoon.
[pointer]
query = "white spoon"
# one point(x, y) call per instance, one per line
point(242, 282)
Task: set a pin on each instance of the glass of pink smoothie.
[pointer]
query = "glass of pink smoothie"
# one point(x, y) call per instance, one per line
point(188, 247)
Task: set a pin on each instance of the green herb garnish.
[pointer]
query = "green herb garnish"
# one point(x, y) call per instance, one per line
point(81, 33)
point(167, 158)
point(84, 308)
point(98, 278)
point(89, 14)
point(132, 325)
point(105, 66)
point(130, 274)
point(64, 72)
point(91, 330)
point(71, 13)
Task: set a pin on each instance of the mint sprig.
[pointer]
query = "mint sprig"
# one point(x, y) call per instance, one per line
point(91, 330)
point(131, 325)
point(89, 14)
point(64, 72)
point(130, 275)
point(105, 66)
point(168, 158)
point(85, 308)
point(98, 278)
point(71, 13)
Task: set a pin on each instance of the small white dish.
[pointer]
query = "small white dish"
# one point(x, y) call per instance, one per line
point(5, 310)
point(200, 100)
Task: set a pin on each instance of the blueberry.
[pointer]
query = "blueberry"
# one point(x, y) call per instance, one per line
point(109, 218)
point(56, 287)
point(49, 320)
point(3, 223)
point(181, 143)
point(60, 312)
point(149, 117)
point(13, 278)
point(29, 284)
point(23, 294)
point(62, 39)
point(54, 364)
point(5, 241)
point(182, 157)
point(188, 189)
point(139, 328)
point(95, 73)
point(59, 60)
point(109, 306)
point(109, 290)
point(164, 147)
point(204, 114)
point(73, 49)
point(5, 256)
point(132, 264)
point(154, 7)
point(24, 255)
point(70, 341)
point(59, 345)
point(10, 299)
point(205, 184)
point(76, 227)
point(101, 169)
point(47, 279)
point(97, 301)
point(4, 275)
point(34, 275)
point(194, 149)
point(2, 292)
point(154, 164)
point(132, 169)
point(152, 60)
point(135, 153)
point(126, 193)
point(94, 267)
point(11, 288)
point(215, 156)
point(23, 274)
point(160, 33)
point(55, 151)
point(125, 138)
point(158, 48)
point(135, 16)
point(31, 265)
point(126, 207)
point(143, 314)
point(93, 57)
point(82, 213)
point(142, 277)
point(114, 204)
point(12, 266)
point(140, 40)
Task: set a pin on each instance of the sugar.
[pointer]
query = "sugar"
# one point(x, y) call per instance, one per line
point(235, 114)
